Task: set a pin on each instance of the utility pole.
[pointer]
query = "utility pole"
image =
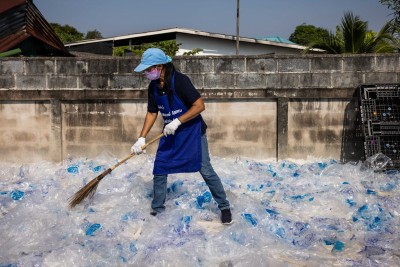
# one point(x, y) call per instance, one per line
point(237, 27)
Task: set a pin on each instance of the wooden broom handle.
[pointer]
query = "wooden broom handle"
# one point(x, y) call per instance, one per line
point(152, 141)
point(133, 154)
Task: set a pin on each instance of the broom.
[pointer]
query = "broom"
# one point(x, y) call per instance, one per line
point(90, 188)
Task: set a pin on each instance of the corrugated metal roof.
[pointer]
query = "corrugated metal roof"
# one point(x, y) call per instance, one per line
point(22, 25)
point(8, 4)
point(277, 39)
point(119, 39)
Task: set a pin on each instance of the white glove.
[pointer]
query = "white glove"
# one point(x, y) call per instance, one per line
point(171, 127)
point(137, 147)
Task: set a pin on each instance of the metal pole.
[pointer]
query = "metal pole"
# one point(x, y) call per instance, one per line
point(237, 27)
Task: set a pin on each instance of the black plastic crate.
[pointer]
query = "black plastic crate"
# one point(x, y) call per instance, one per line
point(372, 128)
point(381, 110)
point(380, 117)
point(379, 91)
point(389, 145)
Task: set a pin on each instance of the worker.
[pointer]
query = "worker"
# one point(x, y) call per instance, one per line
point(184, 146)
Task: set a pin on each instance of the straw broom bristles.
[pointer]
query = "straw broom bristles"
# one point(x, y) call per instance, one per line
point(90, 188)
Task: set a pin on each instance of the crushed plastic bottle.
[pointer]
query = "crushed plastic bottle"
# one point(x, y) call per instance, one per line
point(17, 195)
point(202, 199)
point(321, 213)
point(92, 229)
point(338, 246)
point(376, 162)
point(250, 219)
point(73, 169)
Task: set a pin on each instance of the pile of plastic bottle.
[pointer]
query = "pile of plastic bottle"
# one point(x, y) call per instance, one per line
point(320, 213)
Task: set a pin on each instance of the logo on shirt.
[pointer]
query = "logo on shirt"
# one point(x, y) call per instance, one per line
point(176, 111)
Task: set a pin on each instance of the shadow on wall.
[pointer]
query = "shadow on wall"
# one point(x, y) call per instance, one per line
point(353, 138)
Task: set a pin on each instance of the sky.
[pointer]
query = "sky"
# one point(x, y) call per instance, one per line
point(258, 18)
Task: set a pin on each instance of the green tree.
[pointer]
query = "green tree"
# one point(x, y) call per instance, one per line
point(95, 34)
point(193, 52)
point(170, 48)
point(307, 34)
point(394, 5)
point(353, 36)
point(66, 33)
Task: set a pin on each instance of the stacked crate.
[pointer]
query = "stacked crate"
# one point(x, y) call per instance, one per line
point(380, 115)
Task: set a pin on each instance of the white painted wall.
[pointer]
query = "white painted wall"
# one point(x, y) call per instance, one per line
point(213, 46)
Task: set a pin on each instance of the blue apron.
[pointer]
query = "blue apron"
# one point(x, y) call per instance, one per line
point(181, 152)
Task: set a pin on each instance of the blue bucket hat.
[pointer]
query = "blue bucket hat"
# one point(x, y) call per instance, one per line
point(151, 57)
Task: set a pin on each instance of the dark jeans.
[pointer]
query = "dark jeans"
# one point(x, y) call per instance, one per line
point(207, 172)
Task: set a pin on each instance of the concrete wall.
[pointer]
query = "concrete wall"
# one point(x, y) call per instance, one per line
point(262, 107)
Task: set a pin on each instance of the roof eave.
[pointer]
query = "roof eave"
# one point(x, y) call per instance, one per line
point(191, 32)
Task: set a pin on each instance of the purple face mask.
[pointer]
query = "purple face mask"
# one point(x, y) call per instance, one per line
point(154, 74)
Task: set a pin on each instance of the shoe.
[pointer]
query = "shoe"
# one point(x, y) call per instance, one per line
point(226, 216)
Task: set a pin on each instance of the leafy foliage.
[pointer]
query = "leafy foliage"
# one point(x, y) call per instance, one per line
point(95, 34)
point(169, 47)
point(306, 34)
point(193, 52)
point(353, 36)
point(394, 5)
point(66, 33)
point(69, 34)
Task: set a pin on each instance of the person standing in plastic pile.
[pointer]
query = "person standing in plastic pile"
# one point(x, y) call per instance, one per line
point(184, 147)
